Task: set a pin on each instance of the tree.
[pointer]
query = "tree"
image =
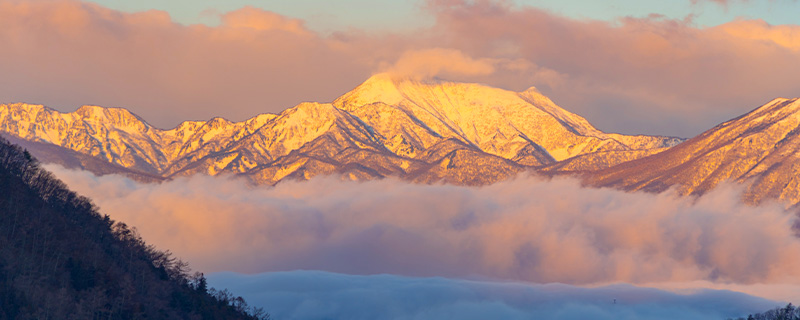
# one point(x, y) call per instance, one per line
point(61, 259)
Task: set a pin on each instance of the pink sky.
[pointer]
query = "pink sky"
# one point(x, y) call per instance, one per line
point(634, 75)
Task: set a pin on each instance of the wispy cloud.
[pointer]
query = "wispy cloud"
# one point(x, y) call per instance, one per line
point(262, 20)
point(525, 229)
point(433, 62)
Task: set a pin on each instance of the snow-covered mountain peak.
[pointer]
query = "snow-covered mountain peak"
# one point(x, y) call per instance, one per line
point(392, 90)
point(532, 89)
point(438, 97)
point(219, 122)
point(24, 107)
point(188, 125)
point(92, 111)
point(497, 121)
point(89, 111)
point(118, 117)
point(378, 88)
point(23, 111)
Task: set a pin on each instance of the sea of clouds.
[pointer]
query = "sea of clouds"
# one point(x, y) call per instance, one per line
point(529, 229)
point(324, 295)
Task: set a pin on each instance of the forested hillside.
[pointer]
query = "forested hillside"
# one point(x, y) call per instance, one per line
point(61, 259)
point(789, 312)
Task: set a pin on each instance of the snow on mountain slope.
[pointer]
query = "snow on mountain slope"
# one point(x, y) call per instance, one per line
point(113, 134)
point(597, 161)
point(496, 121)
point(289, 131)
point(421, 131)
point(760, 149)
point(50, 153)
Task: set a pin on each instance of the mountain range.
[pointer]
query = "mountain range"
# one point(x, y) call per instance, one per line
point(421, 131)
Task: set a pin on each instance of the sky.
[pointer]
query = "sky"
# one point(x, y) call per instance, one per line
point(641, 67)
point(328, 16)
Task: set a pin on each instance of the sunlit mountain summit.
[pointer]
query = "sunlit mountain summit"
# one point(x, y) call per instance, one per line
point(422, 131)
point(526, 127)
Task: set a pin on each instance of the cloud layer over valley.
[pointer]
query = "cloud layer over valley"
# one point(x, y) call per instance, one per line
point(525, 229)
point(318, 295)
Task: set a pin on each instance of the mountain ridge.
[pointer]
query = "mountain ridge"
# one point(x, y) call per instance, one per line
point(395, 121)
point(758, 149)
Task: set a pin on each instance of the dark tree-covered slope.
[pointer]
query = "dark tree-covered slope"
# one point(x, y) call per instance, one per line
point(789, 312)
point(61, 259)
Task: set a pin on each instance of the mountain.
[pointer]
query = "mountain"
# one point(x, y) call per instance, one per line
point(70, 159)
point(525, 126)
point(421, 131)
point(759, 149)
point(119, 137)
point(61, 259)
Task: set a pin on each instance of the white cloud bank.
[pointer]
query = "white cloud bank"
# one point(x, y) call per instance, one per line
point(322, 295)
point(525, 229)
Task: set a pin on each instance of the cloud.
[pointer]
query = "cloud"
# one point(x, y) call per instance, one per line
point(787, 36)
point(322, 295)
point(651, 74)
point(66, 53)
point(454, 64)
point(433, 62)
point(525, 229)
point(262, 20)
point(634, 75)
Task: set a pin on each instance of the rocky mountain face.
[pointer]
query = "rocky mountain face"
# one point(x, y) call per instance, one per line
point(760, 149)
point(420, 131)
